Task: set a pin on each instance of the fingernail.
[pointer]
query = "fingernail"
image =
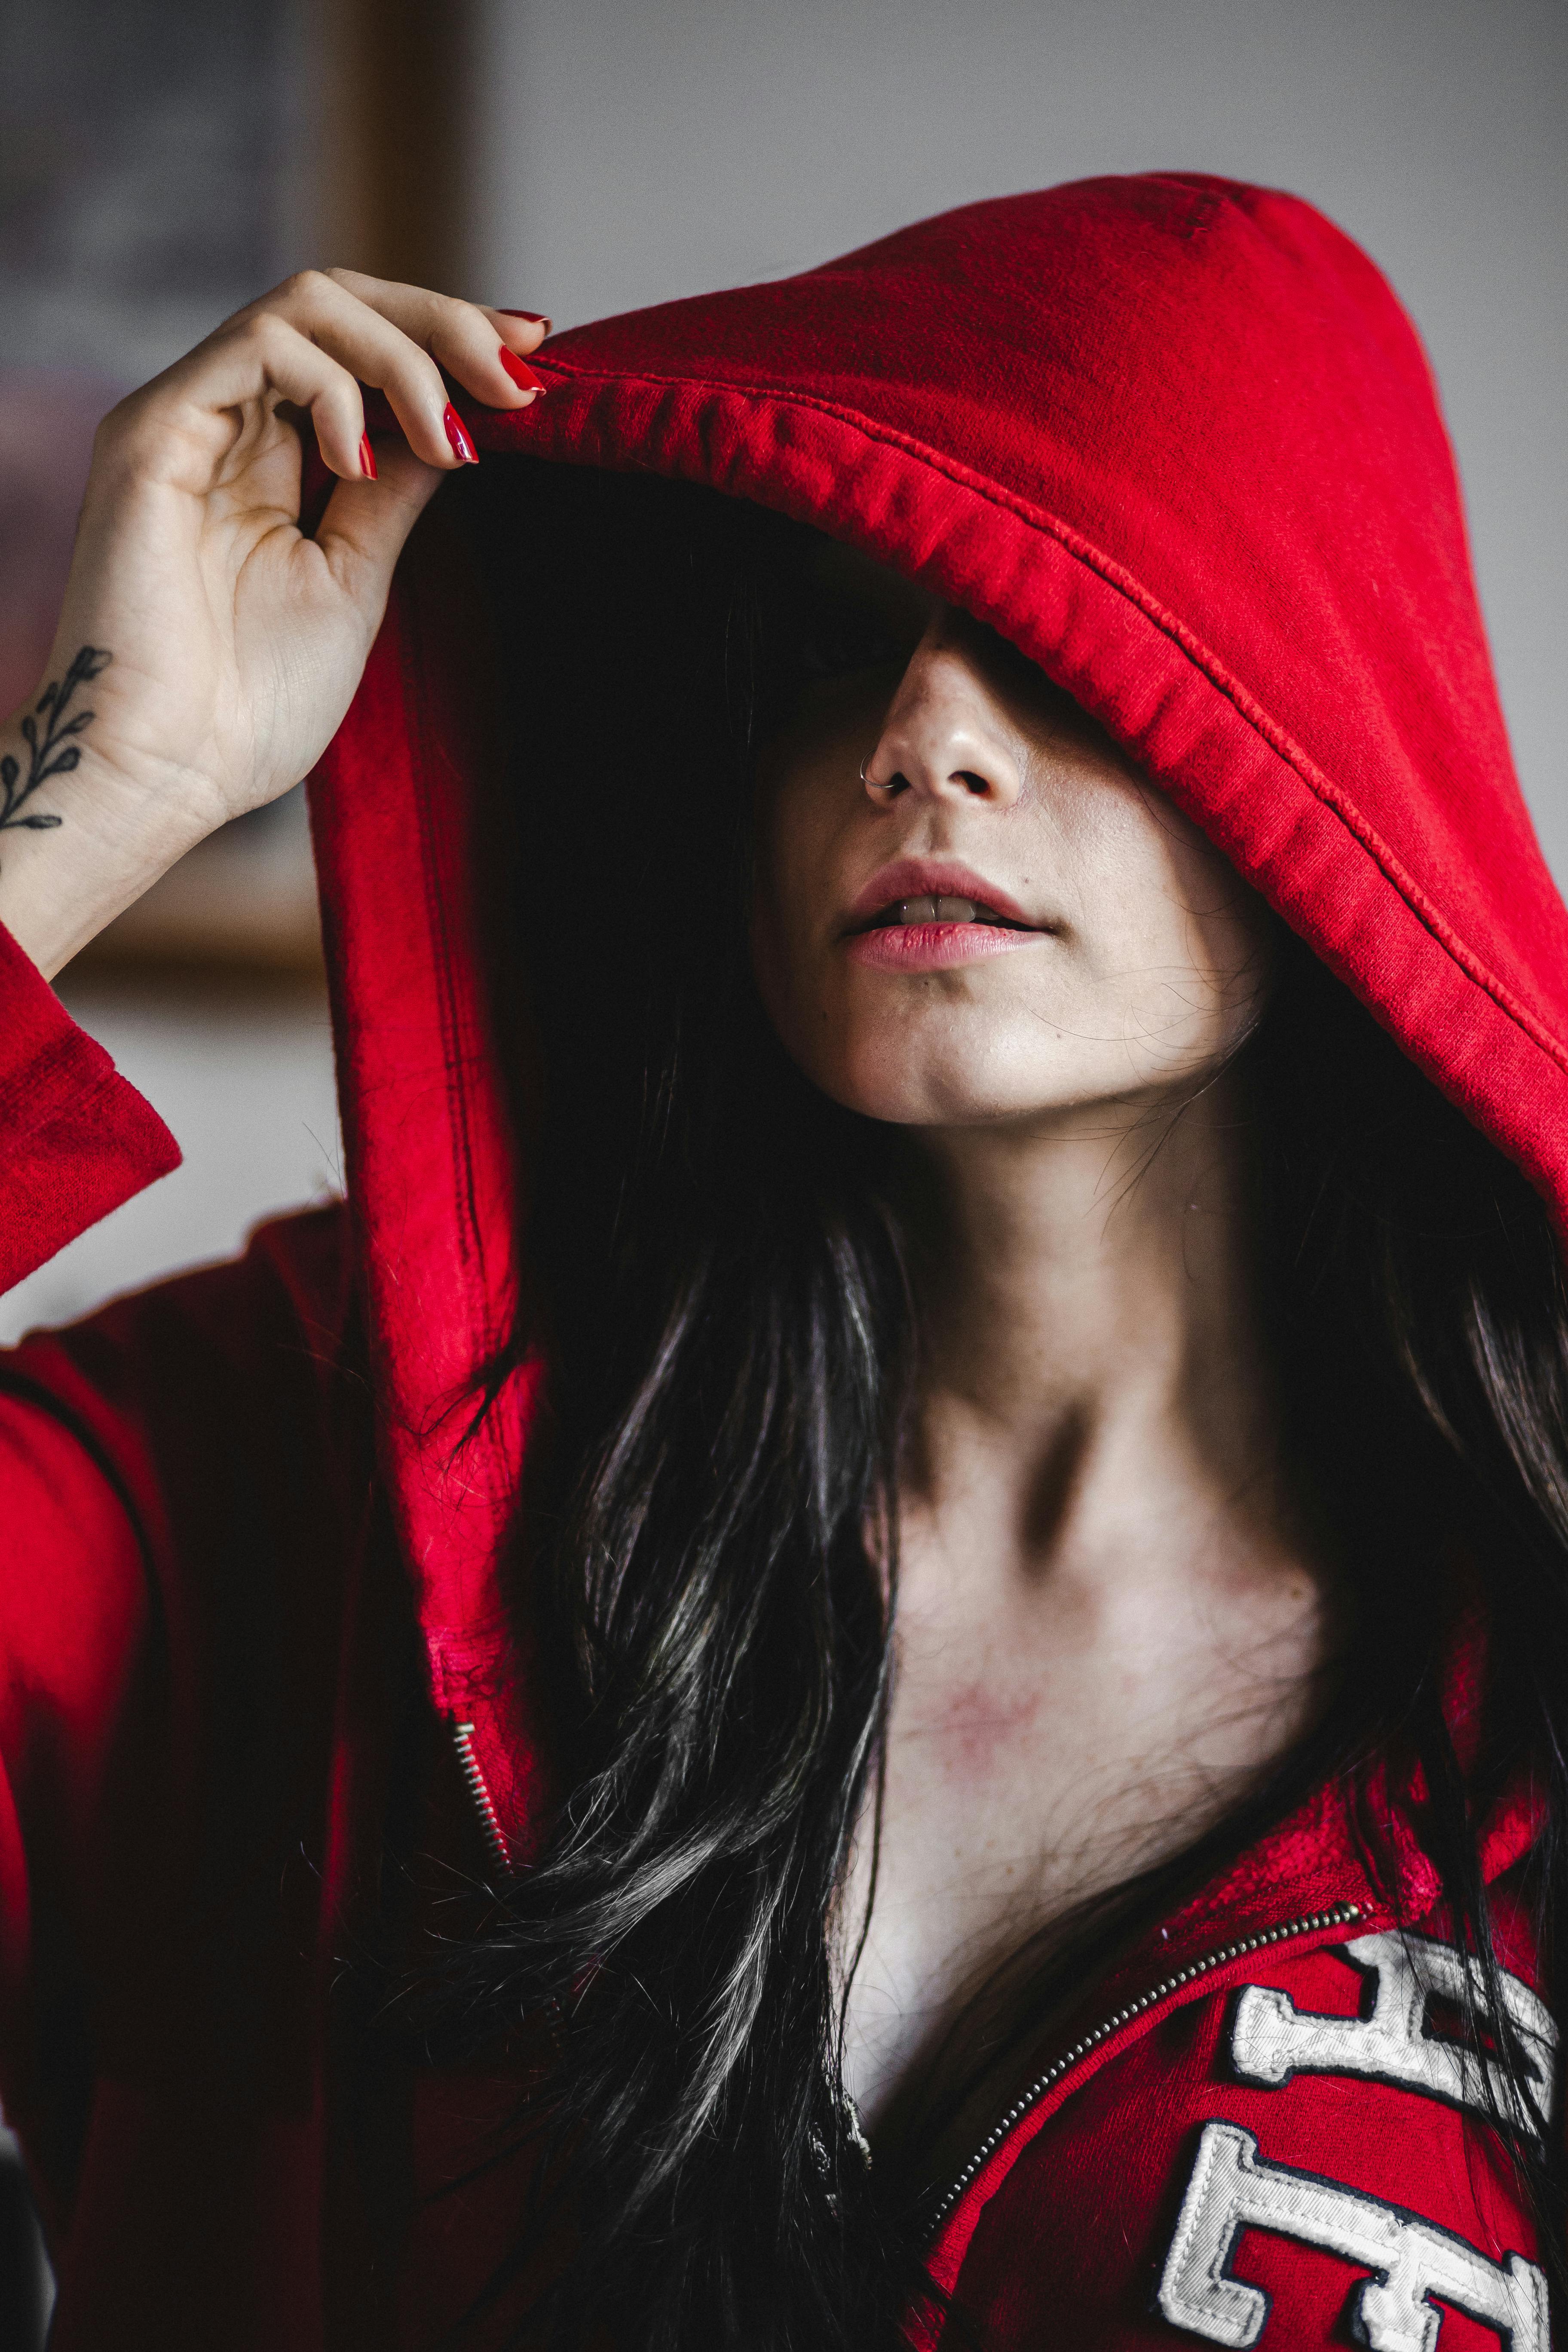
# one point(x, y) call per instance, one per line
point(534, 318)
point(522, 374)
point(458, 434)
point(367, 457)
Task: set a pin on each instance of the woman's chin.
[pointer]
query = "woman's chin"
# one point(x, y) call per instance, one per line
point(884, 1082)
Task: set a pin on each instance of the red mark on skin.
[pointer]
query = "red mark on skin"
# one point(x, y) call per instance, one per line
point(978, 1723)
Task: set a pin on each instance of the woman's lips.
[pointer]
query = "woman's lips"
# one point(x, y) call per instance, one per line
point(923, 915)
point(933, 947)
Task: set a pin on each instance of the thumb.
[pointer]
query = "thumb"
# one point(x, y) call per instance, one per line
point(362, 531)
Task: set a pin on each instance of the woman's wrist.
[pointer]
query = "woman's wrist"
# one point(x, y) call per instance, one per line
point(80, 839)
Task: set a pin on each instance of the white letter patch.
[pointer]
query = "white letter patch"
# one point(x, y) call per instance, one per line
point(1271, 2038)
point(1233, 2189)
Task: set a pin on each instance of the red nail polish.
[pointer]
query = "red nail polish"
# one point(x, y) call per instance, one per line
point(458, 434)
point(534, 318)
point(522, 374)
point(367, 457)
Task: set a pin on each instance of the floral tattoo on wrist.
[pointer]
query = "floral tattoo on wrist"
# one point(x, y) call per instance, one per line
point(53, 753)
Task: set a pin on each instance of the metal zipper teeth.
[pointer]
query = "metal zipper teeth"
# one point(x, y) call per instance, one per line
point(1343, 1914)
point(489, 1819)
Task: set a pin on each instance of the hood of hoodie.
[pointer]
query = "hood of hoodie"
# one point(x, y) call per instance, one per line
point(1177, 440)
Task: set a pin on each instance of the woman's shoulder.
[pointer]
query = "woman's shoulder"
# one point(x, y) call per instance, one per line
point(198, 1435)
point(290, 1286)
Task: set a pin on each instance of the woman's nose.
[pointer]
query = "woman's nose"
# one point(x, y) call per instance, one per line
point(945, 736)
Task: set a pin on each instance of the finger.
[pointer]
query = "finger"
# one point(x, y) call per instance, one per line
point(519, 332)
point(534, 324)
point(376, 350)
point(365, 524)
point(486, 351)
point(260, 359)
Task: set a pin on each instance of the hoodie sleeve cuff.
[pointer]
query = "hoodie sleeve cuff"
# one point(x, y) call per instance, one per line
point(75, 1139)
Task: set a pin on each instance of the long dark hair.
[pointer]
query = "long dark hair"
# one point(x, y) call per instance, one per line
point(721, 1289)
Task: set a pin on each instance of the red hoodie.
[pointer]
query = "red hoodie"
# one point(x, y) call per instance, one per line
point(1175, 438)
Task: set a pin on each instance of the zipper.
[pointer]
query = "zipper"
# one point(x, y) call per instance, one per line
point(1343, 1914)
point(484, 1805)
point(489, 1823)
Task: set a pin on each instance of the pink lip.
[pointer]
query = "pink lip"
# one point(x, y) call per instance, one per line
point(936, 877)
point(931, 947)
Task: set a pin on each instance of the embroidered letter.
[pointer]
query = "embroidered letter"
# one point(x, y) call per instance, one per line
point(1272, 2038)
point(1232, 2190)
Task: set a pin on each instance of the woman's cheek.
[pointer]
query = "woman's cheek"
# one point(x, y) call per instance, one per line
point(776, 965)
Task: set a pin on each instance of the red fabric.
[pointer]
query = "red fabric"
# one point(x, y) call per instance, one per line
point(426, 1141)
point(1175, 438)
point(79, 1139)
point(1123, 2136)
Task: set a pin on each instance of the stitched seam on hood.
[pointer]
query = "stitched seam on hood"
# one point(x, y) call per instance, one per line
point(1284, 747)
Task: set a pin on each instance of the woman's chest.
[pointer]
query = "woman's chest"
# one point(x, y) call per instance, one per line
point(1027, 1773)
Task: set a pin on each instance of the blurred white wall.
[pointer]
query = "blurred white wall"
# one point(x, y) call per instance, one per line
point(630, 152)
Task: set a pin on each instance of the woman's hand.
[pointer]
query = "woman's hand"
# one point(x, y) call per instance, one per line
point(207, 649)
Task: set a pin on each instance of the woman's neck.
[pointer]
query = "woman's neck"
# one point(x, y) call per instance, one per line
point(1092, 1344)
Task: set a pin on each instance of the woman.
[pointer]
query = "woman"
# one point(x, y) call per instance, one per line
point(923, 1445)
